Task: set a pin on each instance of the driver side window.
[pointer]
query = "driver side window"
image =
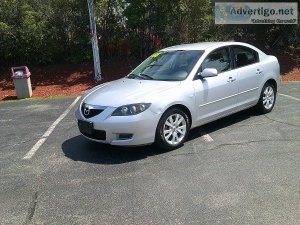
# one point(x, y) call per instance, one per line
point(218, 59)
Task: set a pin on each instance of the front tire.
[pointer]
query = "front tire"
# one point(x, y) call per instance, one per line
point(267, 99)
point(172, 129)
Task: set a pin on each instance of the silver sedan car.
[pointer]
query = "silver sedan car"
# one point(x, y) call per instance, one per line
point(177, 89)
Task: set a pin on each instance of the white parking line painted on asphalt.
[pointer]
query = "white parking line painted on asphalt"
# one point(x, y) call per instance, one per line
point(34, 149)
point(2, 121)
point(291, 97)
point(205, 136)
point(41, 141)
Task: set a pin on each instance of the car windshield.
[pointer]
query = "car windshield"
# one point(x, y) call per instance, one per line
point(167, 66)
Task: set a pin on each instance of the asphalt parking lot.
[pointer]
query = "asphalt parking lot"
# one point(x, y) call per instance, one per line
point(244, 171)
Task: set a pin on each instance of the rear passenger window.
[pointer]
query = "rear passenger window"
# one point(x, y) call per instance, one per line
point(244, 56)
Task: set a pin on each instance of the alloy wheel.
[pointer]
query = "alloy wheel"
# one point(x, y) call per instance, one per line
point(174, 129)
point(268, 97)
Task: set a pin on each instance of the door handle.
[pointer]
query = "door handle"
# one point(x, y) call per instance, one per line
point(259, 71)
point(231, 79)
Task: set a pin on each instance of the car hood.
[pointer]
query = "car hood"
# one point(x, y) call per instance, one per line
point(128, 91)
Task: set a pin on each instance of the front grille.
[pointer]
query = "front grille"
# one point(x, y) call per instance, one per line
point(90, 111)
point(97, 135)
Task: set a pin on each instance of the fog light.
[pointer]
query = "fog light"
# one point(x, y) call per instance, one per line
point(125, 136)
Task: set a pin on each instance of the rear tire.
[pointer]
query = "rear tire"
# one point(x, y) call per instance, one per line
point(172, 130)
point(267, 99)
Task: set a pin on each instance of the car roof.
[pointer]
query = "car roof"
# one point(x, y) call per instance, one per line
point(204, 45)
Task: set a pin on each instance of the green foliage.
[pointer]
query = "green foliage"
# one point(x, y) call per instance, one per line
point(42, 32)
point(57, 31)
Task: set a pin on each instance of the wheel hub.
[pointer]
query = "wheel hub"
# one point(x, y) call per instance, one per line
point(174, 129)
point(268, 97)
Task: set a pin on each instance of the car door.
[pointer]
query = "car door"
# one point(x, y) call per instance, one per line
point(249, 73)
point(216, 96)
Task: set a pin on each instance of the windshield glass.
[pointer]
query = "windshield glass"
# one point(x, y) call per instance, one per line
point(167, 66)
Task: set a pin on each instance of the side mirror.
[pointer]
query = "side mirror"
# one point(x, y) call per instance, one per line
point(209, 72)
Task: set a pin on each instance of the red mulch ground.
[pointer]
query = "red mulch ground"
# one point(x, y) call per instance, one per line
point(289, 61)
point(71, 80)
point(65, 80)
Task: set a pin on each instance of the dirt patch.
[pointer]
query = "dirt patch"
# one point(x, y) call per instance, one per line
point(74, 80)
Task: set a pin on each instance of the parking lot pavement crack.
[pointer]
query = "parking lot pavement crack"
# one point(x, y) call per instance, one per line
point(133, 198)
point(250, 125)
point(235, 144)
point(34, 199)
point(31, 208)
point(251, 142)
point(278, 121)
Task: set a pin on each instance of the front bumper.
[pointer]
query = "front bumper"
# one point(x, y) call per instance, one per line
point(141, 126)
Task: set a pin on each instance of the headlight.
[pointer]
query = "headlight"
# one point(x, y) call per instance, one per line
point(129, 110)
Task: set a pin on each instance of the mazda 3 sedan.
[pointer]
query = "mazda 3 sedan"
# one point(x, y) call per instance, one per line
point(177, 89)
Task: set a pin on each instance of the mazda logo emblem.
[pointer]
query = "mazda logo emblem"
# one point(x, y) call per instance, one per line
point(86, 111)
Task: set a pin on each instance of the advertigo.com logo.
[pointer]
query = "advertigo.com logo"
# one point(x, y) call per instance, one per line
point(256, 13)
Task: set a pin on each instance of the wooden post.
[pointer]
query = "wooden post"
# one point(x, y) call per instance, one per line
point(96, 56)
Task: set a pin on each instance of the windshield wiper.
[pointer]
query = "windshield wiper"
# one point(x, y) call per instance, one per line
point(141, 76)
point(131, 76)
point(153, 65)
point(145, 76)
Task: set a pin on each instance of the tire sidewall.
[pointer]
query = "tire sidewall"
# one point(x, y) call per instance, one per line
point(159, 137)
point(261, 106)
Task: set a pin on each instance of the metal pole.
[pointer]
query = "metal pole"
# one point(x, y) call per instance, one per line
point(96, 57)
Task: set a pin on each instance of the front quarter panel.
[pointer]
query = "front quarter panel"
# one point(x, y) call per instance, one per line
point(182, 95)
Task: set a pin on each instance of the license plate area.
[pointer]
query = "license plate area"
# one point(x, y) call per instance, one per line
point(85, 127)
